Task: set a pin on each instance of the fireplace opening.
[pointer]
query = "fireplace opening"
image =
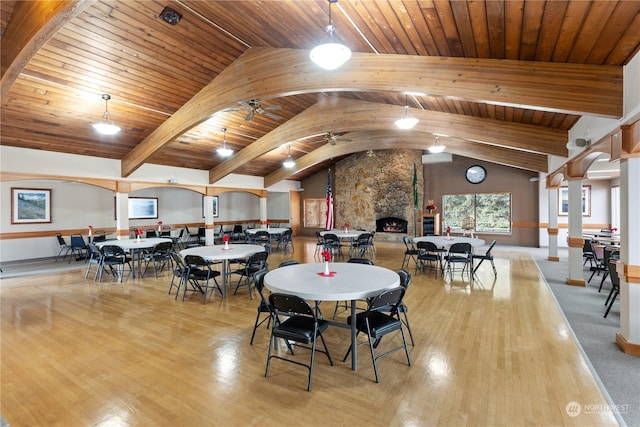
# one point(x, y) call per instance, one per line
point(391, 225)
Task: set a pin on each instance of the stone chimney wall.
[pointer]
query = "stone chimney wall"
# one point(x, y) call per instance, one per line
point(372, 186)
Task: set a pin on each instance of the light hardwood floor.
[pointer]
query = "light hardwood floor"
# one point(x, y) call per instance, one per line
point(80, 353)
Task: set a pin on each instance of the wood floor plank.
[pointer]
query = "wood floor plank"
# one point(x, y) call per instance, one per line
point(497, 352)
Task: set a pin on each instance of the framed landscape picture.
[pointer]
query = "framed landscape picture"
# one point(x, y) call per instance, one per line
point(143, 207)
point(30, 205)
point(215, 207)
point(563, 202)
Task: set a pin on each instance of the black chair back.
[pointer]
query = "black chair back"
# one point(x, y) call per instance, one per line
point(77, 241)
point(427, 247)
point(291, 305)
point(460, 248)
point(360, 261)
point(408, 243)
point(289, 262)
point(488, 253)
point(405, 278)
point(387, 301)
point(61, 239)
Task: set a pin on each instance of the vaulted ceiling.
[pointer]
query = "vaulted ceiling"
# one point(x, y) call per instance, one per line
point(501, 81)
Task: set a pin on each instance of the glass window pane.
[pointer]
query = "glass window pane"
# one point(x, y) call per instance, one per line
point(493, 213)
point(455, 208)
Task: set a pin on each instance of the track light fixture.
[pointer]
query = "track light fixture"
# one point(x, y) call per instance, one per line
point(224, 151)
point(330, 54)
point(105, 126)
point(406, 121)
point(289, 162)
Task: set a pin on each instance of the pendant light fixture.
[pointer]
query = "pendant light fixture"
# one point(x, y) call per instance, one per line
point(105, 126)
point(407, 121)
point(224, 151)
point(289, 162)
point(330, 54)
point(436, 147)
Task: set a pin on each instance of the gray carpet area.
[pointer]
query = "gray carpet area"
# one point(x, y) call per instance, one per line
point(584, 309)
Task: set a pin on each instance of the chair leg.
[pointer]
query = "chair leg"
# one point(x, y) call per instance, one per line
point(406, 323)
point(613, 296)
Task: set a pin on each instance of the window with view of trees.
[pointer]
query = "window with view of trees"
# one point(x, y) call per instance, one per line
point(490, 212)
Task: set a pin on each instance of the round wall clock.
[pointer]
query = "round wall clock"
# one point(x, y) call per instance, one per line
point(476, 174)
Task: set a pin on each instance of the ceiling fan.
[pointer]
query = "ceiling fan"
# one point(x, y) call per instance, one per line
point(332, 138)
point(255, 107)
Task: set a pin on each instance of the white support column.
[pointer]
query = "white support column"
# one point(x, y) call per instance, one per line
point(628, 268)
point(553, 224)
point(122, 216)
point(209, 225)
point(575, 240)
point(263, 211)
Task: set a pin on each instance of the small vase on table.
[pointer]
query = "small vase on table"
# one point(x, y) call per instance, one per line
point(326, 268)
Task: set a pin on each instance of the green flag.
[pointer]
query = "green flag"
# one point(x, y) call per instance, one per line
point(415, 187)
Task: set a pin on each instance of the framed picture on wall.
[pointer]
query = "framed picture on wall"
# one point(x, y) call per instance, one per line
point(143, 207)
point(563, 202)
point(215, 207)
point(30, 206)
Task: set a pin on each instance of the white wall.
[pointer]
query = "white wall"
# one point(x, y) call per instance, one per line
point(76, 205)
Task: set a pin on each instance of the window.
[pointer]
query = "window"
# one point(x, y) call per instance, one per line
point(490, 212)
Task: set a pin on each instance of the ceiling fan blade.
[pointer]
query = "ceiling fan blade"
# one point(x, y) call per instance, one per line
point(249, 116)
point(272, 107)
point(272, 116)
point(246, 105)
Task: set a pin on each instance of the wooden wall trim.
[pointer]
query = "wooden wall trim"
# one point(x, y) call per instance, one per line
point(631, 273)
point(585, 227)
point(575, 242)
point(123, 186)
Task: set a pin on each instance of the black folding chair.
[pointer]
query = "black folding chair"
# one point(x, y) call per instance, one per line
point(302, 326)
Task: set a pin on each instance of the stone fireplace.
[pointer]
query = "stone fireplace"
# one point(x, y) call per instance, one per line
point(391, 225)
point(369, 187)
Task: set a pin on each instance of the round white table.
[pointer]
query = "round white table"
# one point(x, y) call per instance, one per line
point(219, 253)
point(270, 230)
point(350, 282)
point(446, 242)
point(341, 234)
point(135, 247)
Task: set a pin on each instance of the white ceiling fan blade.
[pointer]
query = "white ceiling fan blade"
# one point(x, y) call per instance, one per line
point(246, 105)
point(272, 107)
point(249, 116)
point(272, 116)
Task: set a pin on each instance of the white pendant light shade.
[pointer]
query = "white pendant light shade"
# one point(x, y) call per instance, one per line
point(436, 147)
point(289, 162)
point(406, 121)
point(330, 54)
point(224, 151)
point(105, 126)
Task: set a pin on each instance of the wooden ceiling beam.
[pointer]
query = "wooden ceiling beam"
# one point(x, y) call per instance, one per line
point(339, 115)
point(390, 139)
point(266, 73)
point(31, 26)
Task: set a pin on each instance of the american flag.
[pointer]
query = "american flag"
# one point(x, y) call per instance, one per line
point(328, 224)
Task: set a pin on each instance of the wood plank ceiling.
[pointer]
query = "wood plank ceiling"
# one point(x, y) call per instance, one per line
point(503, 80)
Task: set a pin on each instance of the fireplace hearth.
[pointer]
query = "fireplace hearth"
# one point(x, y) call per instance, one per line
point(391, 225)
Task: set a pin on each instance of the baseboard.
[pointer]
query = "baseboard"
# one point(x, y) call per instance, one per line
point(626, 346)
point(576, 282)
